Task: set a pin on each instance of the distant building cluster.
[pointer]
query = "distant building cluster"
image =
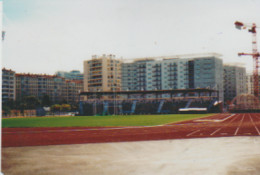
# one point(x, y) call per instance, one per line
point(164, 73)
point(72, 75)
point(108, 73)
point(16, 86)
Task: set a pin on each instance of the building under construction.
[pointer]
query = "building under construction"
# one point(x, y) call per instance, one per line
point(249, 102)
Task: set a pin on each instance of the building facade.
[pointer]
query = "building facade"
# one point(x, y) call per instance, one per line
point(72, 75)
point(57, 88)
point(8, 85)
point(102, 73)
point(235, 81)
point(250, 84)
point(174, 72)
point(73, 88)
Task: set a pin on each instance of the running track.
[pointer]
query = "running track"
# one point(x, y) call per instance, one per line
point(220, 125)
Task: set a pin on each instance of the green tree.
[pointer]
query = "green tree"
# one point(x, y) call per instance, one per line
point(63, 101)
point(65, 107)
point(45, 100)
point(74, 107)
point(31, 102)
point(5, 110)
point(10, 103)
point(56, 107)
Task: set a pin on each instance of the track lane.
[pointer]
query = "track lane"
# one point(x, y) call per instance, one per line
point(254, 121)
point(213, 126)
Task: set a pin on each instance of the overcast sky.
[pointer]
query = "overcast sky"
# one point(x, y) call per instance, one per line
point(44, 36)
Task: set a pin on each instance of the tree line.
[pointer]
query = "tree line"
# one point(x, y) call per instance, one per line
point(31, 102)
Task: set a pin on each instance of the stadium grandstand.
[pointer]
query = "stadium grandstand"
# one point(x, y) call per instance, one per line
point(150, 102)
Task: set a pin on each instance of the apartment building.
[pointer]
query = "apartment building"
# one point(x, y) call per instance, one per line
point(235, 82)
point(174, 72)
point(102, 73)
point(57, 88)
point(73, 88)
point(250, 84)
point(8, 85)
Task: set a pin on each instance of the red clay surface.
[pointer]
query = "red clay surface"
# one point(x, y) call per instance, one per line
point(220, 125)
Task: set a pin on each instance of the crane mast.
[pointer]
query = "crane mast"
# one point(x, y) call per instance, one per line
point(255, 54)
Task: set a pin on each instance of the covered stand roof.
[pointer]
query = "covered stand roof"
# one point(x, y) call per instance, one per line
point(176, 91)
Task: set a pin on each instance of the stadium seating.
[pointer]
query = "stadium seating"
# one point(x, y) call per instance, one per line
point(143, 106)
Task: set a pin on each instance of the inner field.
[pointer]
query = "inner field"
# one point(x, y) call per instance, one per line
point(98, 121)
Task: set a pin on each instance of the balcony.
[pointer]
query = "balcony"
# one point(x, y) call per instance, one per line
point(173, 79)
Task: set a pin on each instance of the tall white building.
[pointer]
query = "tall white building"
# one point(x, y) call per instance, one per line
point(174, 72)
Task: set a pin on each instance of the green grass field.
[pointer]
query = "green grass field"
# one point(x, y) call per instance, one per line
point(92, 121)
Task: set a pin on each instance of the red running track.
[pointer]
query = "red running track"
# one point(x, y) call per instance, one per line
point(219, 125)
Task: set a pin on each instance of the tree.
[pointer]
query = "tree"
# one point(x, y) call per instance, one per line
point(65, 107)
point(10, 103)
point(56, 107)
point(74, 107)
point(63, 101)
point(5, 110)
point(45, 100)
point(31, 102)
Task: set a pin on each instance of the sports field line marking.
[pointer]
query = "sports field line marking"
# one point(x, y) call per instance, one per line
point(78, 130)
point(223, 126)
point(193, 132)
point(236, 131)
point(214, 120)
point(73, 130)
point(215, 131)
point(239, 125)
point(177, 123)
point(254, 124)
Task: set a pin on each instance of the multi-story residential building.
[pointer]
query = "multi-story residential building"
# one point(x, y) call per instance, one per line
point(57, 88)
point(234, 81)
point(250, 84)
point(73, 87)
point(102, 73)
point(174, 72)
point(8, 85)
point(72, 75)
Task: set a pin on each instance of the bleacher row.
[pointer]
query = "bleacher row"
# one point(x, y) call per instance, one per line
point(159, 106)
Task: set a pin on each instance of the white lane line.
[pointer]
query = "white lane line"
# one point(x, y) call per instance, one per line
point(239, 125)
point(215, 131)
point(193, 132)
point(223, 126)
point(236, 131)
point(257, 130)
point(254, 124)
point(215, 120)
point(74, 130)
